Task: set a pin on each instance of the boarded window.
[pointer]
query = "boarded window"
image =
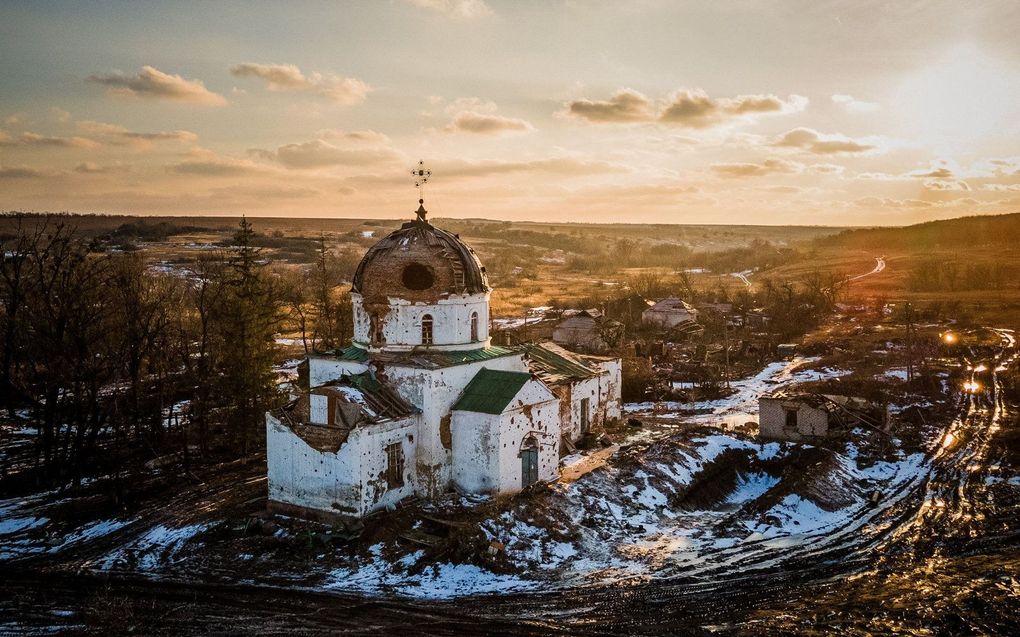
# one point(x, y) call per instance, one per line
point(585, 422)
point(791, 418)
point(426, 329)
point(474, 326)
point(395, 465)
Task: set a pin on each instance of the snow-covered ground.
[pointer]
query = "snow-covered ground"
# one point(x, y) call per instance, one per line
point(691, 498)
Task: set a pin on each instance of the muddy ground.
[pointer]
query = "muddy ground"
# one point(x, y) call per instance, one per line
point(692, 527)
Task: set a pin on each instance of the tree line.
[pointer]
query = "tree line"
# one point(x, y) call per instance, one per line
point(112, 362)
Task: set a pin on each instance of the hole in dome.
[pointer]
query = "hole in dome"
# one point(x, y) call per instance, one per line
point(417, 276)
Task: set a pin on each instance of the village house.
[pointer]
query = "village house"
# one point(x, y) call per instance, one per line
point(799, 417)
point(421, 402)
point(668, 313)
point(587, 331)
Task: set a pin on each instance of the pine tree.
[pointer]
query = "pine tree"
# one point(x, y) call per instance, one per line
point(248, 319)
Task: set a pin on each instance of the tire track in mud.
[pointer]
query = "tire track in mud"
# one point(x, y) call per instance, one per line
point(732, 582)
point(900, 526)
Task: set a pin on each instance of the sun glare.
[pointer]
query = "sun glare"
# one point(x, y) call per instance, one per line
point(960, 97)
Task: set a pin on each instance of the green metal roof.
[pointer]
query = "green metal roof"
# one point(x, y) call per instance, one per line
point(490, 391)
point(429, 359)
point(352, 353)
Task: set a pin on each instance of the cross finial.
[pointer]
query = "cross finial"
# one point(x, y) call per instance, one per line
point(421, 176)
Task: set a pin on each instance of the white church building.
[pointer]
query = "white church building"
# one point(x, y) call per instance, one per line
point(421, 403)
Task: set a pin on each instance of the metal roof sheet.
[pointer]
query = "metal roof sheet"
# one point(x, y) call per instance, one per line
point(490, 391)
point(554, 364)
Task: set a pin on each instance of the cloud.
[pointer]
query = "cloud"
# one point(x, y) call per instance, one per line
point(355, 136)
point(563, 166)
point(206, 163)
point(455, 8)
point(625, 106)
point(695, 109)
point(883, 202)
point(936, 173)
point(941, 178)
point(120, 135)
point(43, 141)
point(828, 169)
point(851, 103)
point(319, 153)
point(151, 83)
point(92, 168)
point(812, 141)
point(767, 167)
point(684, 108)
point(289, 78)
point(486, 124)
point(953, 185)
point(20, 172)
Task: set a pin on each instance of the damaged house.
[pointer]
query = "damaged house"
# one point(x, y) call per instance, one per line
point(669, 313)
point(421, 402)
point(588, 331)
point(798, 417)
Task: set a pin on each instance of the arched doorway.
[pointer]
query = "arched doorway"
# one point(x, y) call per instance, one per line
point(529, 462)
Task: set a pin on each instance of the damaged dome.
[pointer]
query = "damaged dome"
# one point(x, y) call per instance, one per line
point(417, 262)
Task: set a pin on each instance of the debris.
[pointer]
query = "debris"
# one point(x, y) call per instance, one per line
point(421, 538)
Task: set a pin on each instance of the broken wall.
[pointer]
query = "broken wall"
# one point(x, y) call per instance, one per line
point(346, 481)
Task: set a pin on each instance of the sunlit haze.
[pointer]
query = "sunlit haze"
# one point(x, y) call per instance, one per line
point(833, 113)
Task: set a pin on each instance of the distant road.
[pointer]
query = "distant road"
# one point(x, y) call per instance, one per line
point(743, 276)
point(879, 266)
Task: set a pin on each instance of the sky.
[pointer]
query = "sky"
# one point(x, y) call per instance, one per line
point(644, 111)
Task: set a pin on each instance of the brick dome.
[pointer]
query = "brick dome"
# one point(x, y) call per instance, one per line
point(419, 262)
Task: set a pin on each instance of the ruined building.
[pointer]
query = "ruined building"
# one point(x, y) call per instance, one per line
point(421, 403)
point(801, 417)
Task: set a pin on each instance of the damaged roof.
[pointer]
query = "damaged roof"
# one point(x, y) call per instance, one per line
point(553, 364)
point(490, 391)
point(375, 399)
point(825, 402)
point(672, 304)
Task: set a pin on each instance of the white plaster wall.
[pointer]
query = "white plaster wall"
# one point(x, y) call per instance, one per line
point(451, 322)
point(434, 392)
point(322, 369)
point(349, 481)
point(543, 421)
point(318, 409)
point(611, 388)
point(585, 388)
point(486, 447)
point(372, 442)
point(475, 442)
point(301, 475)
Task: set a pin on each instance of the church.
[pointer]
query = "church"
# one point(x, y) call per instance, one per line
point(421, 403)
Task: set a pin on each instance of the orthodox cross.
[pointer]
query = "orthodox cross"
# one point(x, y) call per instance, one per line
point(421, 177)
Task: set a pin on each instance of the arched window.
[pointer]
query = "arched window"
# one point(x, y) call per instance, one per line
point(426, 329)
point(376, 326)
point(474, 326)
